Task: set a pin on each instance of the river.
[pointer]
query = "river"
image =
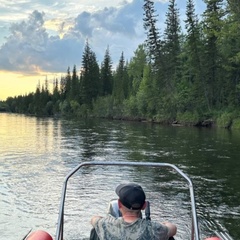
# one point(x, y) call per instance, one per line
point(37, 153)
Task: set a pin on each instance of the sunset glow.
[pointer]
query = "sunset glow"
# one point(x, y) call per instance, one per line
point(15, 84)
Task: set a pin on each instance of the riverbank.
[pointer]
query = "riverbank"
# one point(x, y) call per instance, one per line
point(222, 119)
point(3, 106)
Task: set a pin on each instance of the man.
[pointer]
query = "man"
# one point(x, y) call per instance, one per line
point(131, 226)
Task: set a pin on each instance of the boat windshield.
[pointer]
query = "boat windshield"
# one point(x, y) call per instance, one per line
point(195, 228)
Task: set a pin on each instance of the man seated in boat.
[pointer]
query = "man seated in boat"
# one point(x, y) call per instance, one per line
point(131, 226)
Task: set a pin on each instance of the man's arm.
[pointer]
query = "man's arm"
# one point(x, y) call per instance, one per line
point(172, 229)
point(94, 219)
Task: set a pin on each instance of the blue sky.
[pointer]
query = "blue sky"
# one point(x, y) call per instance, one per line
point(43, 37)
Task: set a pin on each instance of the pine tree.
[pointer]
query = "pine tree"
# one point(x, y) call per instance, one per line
point(38, 106)
point(56, 93)
point(65, 85)
point(106, 76)
point(193, 72)
point(119, 84)
point(62, 87)
point(136, 68)
point(154, 46)
point(90, 77)
point(212, 27)
point(74, 90)
point(172, 31)
point(68, 84)
point(153, 41)
point(172, 44)
point(230, 51)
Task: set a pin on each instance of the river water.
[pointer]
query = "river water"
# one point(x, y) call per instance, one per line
point(37, 153)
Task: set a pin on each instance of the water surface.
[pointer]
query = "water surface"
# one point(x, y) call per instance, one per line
point(37, 153)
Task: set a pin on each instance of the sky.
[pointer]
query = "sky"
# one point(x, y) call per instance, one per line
point(40, 39)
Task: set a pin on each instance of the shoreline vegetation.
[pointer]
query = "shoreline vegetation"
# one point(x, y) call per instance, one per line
point(175, 77)
point(225, 120)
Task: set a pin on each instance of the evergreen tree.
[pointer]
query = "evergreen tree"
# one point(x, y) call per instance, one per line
point(62, 88)
point(119, 85)
point(230, 52)
point(172, 31)
point(146, 99)
point(65, 85)
point(56, 94)
point(74, 90)
point(68, 82)
point(90, 77)
point(172, 45)
point(154, 46)
point(212, 27)
point(127, 81)
point(136, 68)
point(38, 107)
point(153, 41)
point(194, 80)
point(106, 76)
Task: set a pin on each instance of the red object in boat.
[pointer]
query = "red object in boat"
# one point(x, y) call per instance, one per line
point(39, 235)
point(213, 238)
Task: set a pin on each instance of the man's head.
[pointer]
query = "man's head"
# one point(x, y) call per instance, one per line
point(131, 195)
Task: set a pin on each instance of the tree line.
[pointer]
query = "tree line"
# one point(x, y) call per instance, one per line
point(180, 75)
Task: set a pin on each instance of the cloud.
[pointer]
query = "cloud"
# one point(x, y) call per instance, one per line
point(111, 19)
point(30, 49)
point(26, 38)
point(48, 42)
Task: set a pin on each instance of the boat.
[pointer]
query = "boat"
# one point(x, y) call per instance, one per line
point(194, 231)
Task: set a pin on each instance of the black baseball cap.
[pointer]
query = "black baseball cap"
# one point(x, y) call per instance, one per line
point(131, 195)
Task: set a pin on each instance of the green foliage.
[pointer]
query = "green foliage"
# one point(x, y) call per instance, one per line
point(3, 106)
point(106, 75)
point(236, 123)
point(90, 77)
point(145, 97)
point(153, 41)
point(131, 107)
point(225, 119)
point(172, 35)
point(119, 84)
point(136, 68)
point(189, 118)
point(75, 107)
point(103, 107)
point(84, 111)
point(64, 107)
point(49, 108)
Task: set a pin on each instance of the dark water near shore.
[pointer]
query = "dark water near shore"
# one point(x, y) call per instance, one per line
point(37, 153)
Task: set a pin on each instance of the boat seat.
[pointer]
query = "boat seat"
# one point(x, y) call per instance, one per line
point(93, 235)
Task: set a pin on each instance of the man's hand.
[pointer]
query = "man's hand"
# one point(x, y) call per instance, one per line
point(172, 229)
point(94, 220)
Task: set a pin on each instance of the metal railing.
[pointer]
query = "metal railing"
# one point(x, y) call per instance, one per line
point(60, 225)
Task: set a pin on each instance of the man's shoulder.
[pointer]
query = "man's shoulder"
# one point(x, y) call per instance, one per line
point(110, 219)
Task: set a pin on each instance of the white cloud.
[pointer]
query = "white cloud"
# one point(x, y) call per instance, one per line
point(53, 39)
point(30, 47)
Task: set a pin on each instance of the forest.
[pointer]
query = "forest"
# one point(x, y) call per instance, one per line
point(177, 76)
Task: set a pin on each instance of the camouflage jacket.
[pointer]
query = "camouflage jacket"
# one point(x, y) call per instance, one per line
point(111, 228)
